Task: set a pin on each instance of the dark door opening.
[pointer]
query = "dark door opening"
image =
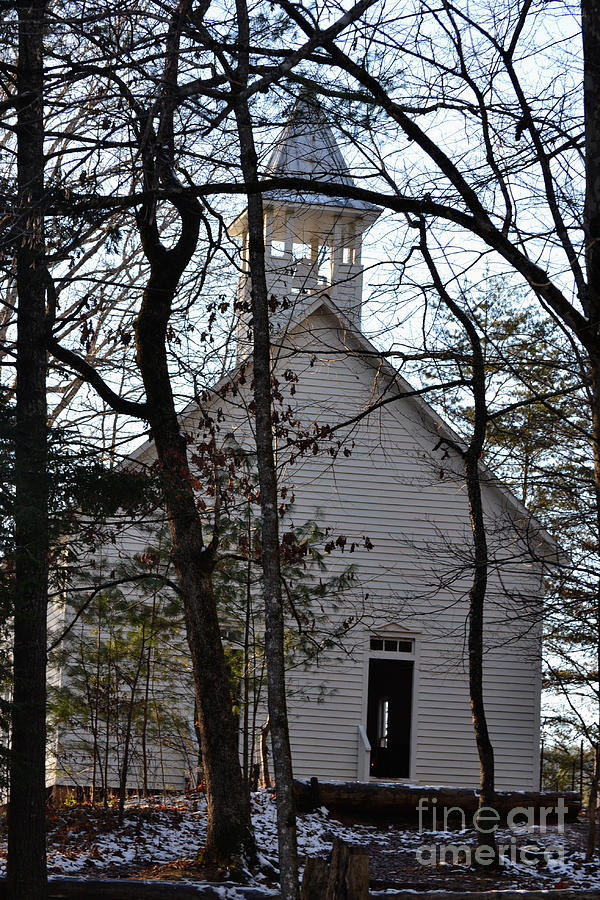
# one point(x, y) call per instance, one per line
point(389, 710)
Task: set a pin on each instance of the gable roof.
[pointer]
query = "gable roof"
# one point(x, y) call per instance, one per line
point(379, 363)
point(373, 358)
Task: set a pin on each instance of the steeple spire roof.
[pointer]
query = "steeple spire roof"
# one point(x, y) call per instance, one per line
point(306, 148)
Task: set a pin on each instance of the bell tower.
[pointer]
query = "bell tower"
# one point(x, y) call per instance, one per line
point(313, 242)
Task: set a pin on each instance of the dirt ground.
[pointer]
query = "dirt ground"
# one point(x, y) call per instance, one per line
point(156, 840)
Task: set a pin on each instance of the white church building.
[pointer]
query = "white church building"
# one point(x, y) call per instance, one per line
point(388, 698)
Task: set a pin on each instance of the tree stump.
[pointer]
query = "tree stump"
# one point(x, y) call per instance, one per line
point(315, 879)
point(346, 877)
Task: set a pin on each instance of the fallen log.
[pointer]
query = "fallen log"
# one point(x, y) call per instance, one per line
point(426, 806)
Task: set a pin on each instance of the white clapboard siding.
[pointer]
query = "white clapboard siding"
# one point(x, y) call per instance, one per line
point(170, 763)
point(404, 492)
point(390, 489)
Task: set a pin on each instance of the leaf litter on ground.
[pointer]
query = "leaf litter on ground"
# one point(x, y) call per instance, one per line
point(160, 837)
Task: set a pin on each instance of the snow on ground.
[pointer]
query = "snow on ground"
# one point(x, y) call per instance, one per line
point(153, 832)
point(90, 842)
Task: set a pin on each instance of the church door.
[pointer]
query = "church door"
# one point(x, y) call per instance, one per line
point(389, 711)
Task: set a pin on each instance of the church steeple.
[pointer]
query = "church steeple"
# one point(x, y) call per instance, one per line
point(313, 242)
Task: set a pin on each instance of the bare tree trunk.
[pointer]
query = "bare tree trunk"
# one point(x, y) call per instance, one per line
point(593, 798)
point(229, 829)
point(590, 10)
point(27, 810)
point(476, 631)
point(147, 679)
point(94, 715)
point(246, 766)
point(199, 741)
point(274, 617)
point(264, 754)
point(128, 728)
point(591, 54)
point(477, 593)
point(107, 735)
point(593, 807)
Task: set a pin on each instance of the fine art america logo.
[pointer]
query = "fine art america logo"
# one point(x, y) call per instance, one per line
point(510, 846)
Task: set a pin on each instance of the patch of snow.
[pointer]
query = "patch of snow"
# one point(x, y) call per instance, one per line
point(155, 831)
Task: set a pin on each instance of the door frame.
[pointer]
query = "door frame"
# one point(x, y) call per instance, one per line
point(397, 633)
